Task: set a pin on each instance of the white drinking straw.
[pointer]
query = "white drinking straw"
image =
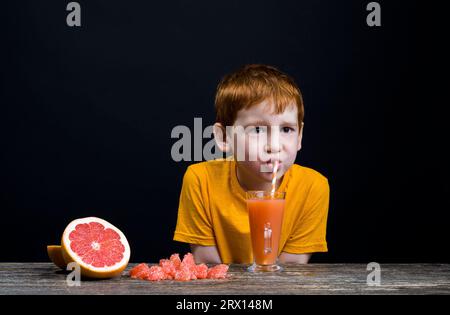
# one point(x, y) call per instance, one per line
point(274, 178)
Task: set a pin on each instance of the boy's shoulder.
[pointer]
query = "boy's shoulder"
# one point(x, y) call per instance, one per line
point(303, 173)
point(213, 167)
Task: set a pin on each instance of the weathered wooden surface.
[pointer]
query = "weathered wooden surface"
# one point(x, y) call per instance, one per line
point(45, 278)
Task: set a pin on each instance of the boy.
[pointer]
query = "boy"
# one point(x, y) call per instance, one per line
point(259, 121)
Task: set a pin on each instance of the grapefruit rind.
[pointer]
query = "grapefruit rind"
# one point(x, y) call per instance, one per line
point(55, 254)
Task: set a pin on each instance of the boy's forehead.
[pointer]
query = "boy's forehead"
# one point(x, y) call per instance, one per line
point(266, 112)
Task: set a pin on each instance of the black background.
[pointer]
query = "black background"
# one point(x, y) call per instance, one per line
point(87, 113)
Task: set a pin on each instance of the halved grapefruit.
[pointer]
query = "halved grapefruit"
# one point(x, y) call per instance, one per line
point(55, 255)
point(101, 249)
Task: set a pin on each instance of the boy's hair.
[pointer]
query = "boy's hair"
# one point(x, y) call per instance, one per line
point(251, 85)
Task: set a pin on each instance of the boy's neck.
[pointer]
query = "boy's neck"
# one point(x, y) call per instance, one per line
point(249, 182)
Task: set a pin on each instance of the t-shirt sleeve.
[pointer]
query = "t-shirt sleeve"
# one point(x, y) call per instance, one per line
point(309, 232)
point(194, 220)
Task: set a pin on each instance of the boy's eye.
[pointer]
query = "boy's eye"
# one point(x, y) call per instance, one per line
point(258, 129)
point(287, 129)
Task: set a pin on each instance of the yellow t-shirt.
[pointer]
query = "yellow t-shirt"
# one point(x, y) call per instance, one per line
point(213, 212)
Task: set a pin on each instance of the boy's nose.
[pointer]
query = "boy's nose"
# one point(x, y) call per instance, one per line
point(273, 148)
point(273, 145)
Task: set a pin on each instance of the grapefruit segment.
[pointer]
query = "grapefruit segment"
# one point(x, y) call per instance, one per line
point(168, 267)
point(156, 273)
point(101, 249)
point(217, 272)
point(141, 271)
point(201, 271)
point(176, 261)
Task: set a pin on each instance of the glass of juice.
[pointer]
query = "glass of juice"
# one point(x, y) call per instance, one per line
point(265, 213)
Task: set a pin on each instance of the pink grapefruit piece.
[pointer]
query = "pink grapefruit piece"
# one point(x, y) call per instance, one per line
point(217, 272)
point(141, 271)
point(101, 249)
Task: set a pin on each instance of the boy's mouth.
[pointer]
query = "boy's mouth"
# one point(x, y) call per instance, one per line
point(267, 167)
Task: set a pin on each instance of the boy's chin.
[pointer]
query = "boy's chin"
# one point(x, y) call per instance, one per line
point(267, 176)
point(263, 173)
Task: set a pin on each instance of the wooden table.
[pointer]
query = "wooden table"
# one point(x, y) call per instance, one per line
point(45, 278)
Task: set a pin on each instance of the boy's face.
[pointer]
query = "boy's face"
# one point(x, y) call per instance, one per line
point(262, 137)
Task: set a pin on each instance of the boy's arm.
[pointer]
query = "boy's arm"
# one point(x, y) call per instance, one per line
point(210, 255)
point(294, 258)
point(205, 254)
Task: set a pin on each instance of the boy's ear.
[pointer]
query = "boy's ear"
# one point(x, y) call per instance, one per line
point(300, 136)
point(220, 135)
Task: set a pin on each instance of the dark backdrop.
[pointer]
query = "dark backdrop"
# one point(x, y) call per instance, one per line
point(87, 113)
